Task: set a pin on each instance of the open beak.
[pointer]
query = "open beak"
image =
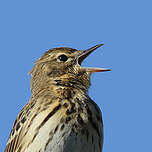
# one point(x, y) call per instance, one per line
point(84, 54)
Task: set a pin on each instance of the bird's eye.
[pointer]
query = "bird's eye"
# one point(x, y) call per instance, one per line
point(62, 58)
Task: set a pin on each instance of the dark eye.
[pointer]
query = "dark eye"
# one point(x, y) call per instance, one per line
point(62, 58)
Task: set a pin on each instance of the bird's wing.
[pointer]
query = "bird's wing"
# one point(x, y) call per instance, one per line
point(15, 138)
point(98, 118)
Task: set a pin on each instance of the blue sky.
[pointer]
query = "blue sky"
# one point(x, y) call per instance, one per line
point(29, 28)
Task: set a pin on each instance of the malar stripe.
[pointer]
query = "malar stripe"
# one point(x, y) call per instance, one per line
point(50, 115)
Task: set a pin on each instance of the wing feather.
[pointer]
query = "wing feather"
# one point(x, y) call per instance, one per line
point(14, 141)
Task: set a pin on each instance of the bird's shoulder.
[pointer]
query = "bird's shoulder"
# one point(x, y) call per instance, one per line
point(17, 129)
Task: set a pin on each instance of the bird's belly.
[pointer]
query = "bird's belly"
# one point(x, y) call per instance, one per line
point(71, 135)
point(68, 141)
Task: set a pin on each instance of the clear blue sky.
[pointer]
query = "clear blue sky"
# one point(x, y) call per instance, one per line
point(28, 28)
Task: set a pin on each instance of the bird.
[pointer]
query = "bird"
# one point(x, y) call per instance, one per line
point(60, 116)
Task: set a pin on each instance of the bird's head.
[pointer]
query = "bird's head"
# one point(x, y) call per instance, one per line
point(64, 64)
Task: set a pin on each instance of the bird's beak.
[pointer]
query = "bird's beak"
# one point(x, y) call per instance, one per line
point(83, 54)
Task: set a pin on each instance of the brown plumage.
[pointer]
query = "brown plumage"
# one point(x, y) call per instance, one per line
point(60, 116)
